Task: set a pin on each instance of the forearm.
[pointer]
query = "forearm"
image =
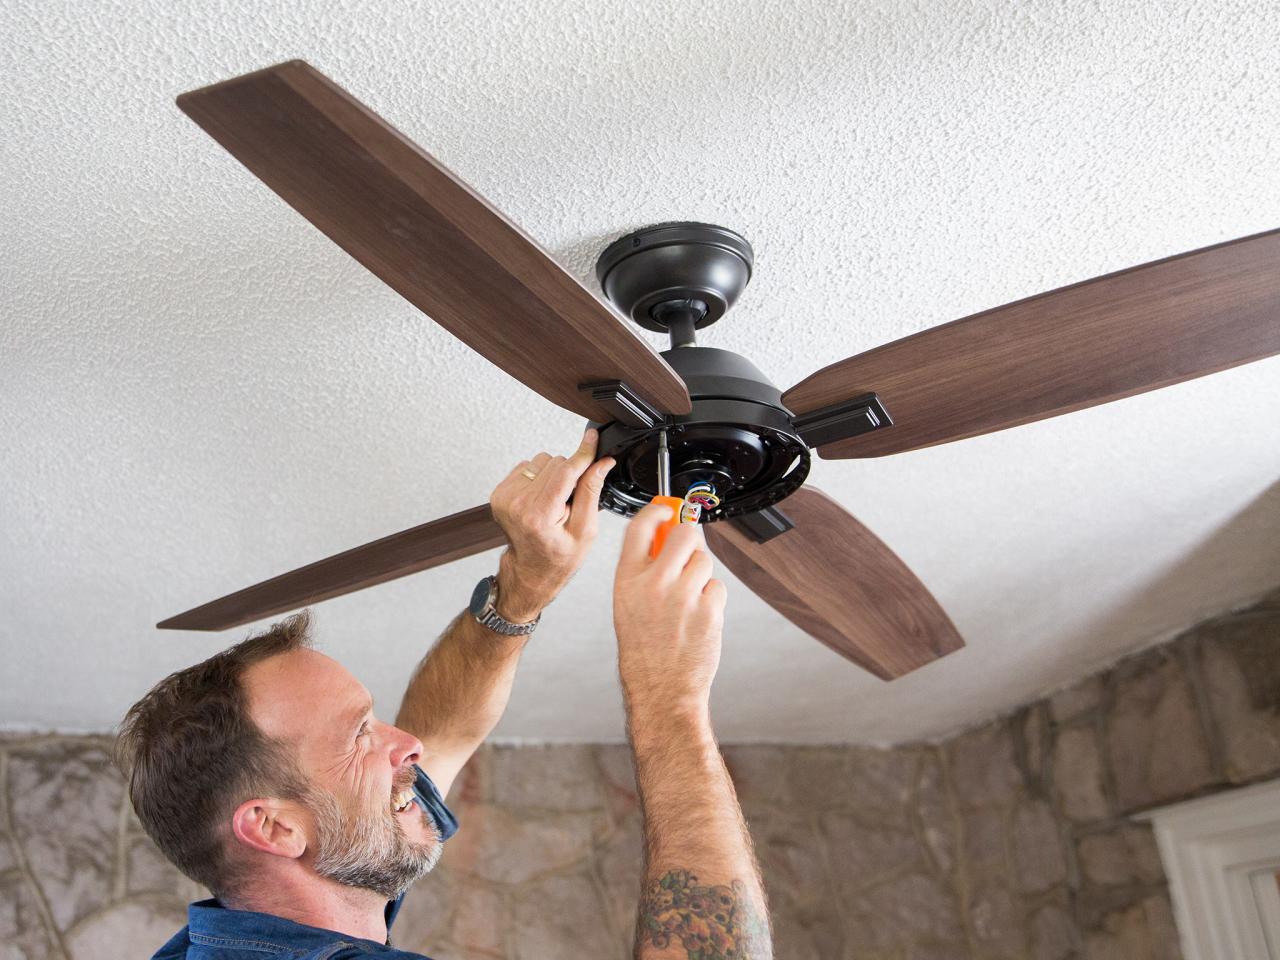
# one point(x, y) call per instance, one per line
point(547, 509)
point(461, 687)
point(700, 876)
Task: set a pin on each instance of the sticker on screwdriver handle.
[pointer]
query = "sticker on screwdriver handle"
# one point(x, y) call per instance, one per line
point(677, 515)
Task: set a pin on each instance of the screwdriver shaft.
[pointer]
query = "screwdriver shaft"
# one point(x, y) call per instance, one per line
point(664, 465)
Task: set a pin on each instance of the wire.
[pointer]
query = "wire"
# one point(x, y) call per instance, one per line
point(703, 493)
point(701, 496)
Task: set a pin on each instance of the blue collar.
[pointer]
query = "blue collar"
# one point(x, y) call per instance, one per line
point(428, 798)
point(212, 924)
point(214, 930)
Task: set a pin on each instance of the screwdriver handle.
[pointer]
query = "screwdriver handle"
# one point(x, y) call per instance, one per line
point(660, 537)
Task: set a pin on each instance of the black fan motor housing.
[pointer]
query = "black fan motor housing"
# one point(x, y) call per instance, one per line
point(738, 437)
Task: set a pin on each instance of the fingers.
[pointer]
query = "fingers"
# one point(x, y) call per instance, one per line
point(539, 466)
point(640, 532)
point(711, 604)
point(703, 589)
point(680, 545)
point(585, 511)
point(517, 472)
point(517, 480)
point(715, 592)
point(697, 572)
point(568, 471)
point(585, 455)
point(545, 486)
point(682, 542)
point(519, 487)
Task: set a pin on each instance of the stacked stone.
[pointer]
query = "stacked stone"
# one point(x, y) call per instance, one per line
point(1054, 867)
point(78, 877)
point(1193, 717)
point(1009, 841)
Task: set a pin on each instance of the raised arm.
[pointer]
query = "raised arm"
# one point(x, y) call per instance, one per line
point(461, 687)
point(702, 896)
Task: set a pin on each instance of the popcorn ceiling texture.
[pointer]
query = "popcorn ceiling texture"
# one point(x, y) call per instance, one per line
point(1011, 841)
point(198, 390)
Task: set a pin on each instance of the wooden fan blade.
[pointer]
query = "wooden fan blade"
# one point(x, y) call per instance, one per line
point(428, 236)
point(837, 581)
point(1124, 333)
point(420, 548)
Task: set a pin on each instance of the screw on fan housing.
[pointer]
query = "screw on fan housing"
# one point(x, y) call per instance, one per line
point(738, 437)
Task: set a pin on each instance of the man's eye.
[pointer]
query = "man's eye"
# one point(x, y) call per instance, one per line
point(364, 730)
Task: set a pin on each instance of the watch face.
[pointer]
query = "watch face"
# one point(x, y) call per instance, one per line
point(480, 596)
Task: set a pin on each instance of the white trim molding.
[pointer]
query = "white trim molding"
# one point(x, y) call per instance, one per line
point(1221, 855)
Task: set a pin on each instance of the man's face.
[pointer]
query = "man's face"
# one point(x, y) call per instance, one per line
point(367, 832)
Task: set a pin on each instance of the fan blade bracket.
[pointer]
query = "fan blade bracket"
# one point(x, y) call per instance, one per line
point(840, 421)
point(623, 403)
point(763, 525)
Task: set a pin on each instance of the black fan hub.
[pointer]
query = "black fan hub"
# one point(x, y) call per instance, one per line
point(738, 437)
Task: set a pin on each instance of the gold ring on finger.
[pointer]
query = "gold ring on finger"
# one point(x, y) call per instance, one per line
point(530, 474)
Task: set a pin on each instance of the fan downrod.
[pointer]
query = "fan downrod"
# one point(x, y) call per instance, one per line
point(676, 277)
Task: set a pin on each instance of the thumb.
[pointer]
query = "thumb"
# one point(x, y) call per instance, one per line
point(640, 533)
point(584, 512)
point(586, 451)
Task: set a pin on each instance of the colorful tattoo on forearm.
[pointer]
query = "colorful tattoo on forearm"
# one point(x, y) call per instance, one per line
point(711, 923)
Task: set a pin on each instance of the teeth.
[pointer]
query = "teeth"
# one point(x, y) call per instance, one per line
point(402, 800)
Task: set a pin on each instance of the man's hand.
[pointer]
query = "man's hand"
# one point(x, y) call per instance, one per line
point(668, 613)
point(549, 537)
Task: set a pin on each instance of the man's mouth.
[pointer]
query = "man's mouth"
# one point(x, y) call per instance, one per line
point(403, 800)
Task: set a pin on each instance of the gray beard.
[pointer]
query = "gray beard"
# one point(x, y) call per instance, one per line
point(368, 851)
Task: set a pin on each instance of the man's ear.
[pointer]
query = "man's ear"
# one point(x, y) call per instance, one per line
point(271, 826)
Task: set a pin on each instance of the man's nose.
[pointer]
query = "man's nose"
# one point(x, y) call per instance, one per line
point(405, 748)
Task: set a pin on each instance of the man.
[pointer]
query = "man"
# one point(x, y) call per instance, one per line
point(264, 774)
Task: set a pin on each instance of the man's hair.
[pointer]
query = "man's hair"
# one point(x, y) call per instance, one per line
point(190, 753)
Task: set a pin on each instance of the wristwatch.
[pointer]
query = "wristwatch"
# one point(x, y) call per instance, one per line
point(483, 601)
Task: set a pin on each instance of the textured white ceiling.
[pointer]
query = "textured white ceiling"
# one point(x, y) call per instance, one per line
point(198, 390)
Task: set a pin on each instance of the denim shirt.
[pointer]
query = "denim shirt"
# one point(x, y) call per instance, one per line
point(215, 933)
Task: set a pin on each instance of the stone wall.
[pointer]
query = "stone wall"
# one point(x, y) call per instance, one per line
point(1007, 841)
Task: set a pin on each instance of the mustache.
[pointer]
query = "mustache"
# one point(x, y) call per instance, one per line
point(403, 779)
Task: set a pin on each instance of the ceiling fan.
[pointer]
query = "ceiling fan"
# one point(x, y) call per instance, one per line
point(442, 247)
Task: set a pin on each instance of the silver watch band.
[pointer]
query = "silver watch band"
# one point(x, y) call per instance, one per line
point(497, 623)
point(484, 608)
